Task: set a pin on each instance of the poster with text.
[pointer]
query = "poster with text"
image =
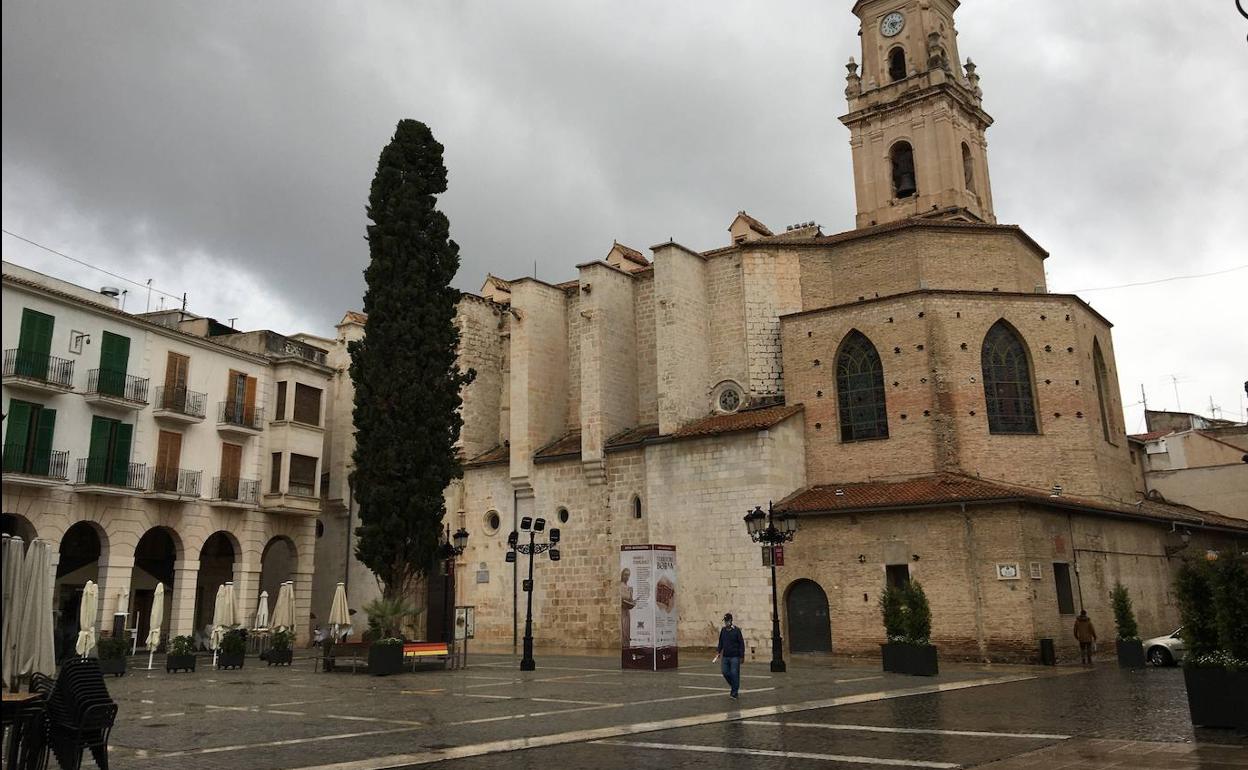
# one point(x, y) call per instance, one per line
point(648, 612)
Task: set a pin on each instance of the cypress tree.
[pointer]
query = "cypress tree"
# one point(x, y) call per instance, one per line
point(407, 382)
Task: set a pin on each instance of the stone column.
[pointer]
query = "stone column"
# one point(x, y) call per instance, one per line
point(246, 591)
point(181, 600)
point(114, 584)
point(303, 605)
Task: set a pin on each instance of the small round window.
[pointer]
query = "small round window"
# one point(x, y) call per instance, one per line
point(563, 515)
point(492, 522)
point(727, 397)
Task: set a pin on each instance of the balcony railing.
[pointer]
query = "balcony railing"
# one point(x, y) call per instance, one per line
point(303, 489)
point(111, 382)
point(285, 346)
point(236, 490)
point(101, 471)
point(240, 415)
point(181, 400)
point(176, 481)
point(50, 465)
point(40, 367)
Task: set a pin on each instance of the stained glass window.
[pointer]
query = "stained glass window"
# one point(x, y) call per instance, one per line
point(1007, 382)
point(860, 389)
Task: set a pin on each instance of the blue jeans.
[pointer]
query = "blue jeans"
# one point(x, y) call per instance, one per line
point(731, 669)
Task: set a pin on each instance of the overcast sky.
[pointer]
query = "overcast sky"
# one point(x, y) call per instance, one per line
point(226, 149)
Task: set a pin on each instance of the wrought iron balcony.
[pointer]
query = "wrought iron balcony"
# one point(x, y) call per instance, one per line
point(176, 481)
point(47, 467)
point(102, 472)
point(179, 404)
point(38, 371)
point(117, 387)
point(239, 417)
point(227, 489)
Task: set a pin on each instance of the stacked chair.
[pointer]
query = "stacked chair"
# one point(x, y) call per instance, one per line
point(27, 745)
point(80, 713)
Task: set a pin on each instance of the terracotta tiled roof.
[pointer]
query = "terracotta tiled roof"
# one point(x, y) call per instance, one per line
point(499, 454)
point(754, 224)
point(746, 419)
point(1151, 436)
point(945, 489)
point(633, 436)
point(631, 254)
point(354, 317)
point(567, 445)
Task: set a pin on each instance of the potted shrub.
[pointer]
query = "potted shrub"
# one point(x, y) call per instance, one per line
point(113, 655)
point(907, 620)
point(233, 649)
point(386, 618)
point(280, 653)
point(1130, 648)
point(1213, 603)
point(181, 655)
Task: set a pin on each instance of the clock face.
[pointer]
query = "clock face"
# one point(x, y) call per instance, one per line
point(891, 24)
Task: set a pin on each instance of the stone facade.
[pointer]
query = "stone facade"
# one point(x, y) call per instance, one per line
point(659, 400)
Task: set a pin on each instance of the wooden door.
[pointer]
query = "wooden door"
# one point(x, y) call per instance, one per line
point(231, 469)
point(34, 344)
point(168, 456)
point(177, 367)
point(114, 358)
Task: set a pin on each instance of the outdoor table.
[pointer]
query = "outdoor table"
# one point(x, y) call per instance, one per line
point(13, 703)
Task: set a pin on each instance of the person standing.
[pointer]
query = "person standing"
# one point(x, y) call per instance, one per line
point(1085, 634)
point(729, 652)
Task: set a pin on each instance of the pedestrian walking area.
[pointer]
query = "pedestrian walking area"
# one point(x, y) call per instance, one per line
point(581, 711)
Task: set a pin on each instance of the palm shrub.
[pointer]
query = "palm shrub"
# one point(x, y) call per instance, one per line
point(386, 617)
point(182, 645)
point(918, 617)
point(893, 612)
point(1124, 614)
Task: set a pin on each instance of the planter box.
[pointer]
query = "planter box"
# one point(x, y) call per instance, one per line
point(279, 657)
point(1217, 697)
point(230, 661)
point(912, 659)
point(385, 659)
point(1130, 653)
point(114, 666)
point(180, 663)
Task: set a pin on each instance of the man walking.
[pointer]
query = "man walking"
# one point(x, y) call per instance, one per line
point(729, 652)
point(1086, 635)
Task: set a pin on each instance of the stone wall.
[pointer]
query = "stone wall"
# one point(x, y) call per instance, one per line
point(480, 349)
point(682, 322)
point(773, 287)
point(539, 370)
point(647, 354)
point(608, 351)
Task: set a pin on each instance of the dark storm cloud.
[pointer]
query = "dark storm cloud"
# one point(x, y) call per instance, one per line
point(225, 149)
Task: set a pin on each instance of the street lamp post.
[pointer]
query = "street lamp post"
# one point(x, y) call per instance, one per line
point(772, 530)
point(532, 547)
point(452, 546)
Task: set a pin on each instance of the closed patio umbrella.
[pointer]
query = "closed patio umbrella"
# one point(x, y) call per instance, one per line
point(154, 622)
point(12, 576)
point(339, 615)
point(217, 616)
point(284, 609)
point(262, 613)
point(35, 652)
point(86, 618)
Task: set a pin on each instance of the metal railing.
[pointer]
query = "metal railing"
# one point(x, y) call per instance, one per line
point(285, 346)
point(102, 471)
point(237, 413)
point(39, 366)
point(178, 481)
point(53, 465)
point(236, 490)
point(181, 400)
point(111, 382)
point(301, 489)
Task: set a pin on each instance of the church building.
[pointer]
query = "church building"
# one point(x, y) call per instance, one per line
point(909, 391)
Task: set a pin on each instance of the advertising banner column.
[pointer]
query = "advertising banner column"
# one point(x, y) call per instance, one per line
point(648, 612)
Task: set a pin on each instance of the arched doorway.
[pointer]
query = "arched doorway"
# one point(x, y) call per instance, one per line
point(810, 629)
point(277, 565)
point(216, 568)
point(81, 547)
point(154, 558)
point(16, 525)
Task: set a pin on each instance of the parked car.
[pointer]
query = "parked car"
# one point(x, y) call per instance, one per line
point(1165, 650)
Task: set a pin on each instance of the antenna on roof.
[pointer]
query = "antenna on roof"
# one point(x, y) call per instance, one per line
point(232, 320)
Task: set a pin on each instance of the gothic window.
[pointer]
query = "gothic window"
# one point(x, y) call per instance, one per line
point(1102, 390)
point(860, 389)
point(968, 168)
point(901, 157)
point(897, 64)
point(1007, 381)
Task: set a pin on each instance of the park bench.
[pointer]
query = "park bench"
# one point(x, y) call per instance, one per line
point(413, 653)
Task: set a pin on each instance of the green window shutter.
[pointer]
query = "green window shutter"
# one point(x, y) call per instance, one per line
point(42, 460)
point(121, 453)
point(97, 455)
point(17, 437)
point(34, 344)
point(114, 358)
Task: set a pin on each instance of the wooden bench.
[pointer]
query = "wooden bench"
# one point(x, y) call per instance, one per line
point(418, 651)
point(413, 652)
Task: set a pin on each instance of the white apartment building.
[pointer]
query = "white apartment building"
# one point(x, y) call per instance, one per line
point(158, 447)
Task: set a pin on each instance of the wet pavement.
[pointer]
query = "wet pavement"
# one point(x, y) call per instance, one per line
point(578, 711)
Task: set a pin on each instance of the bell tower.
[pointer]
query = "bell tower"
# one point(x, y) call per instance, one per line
point(915, 120)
